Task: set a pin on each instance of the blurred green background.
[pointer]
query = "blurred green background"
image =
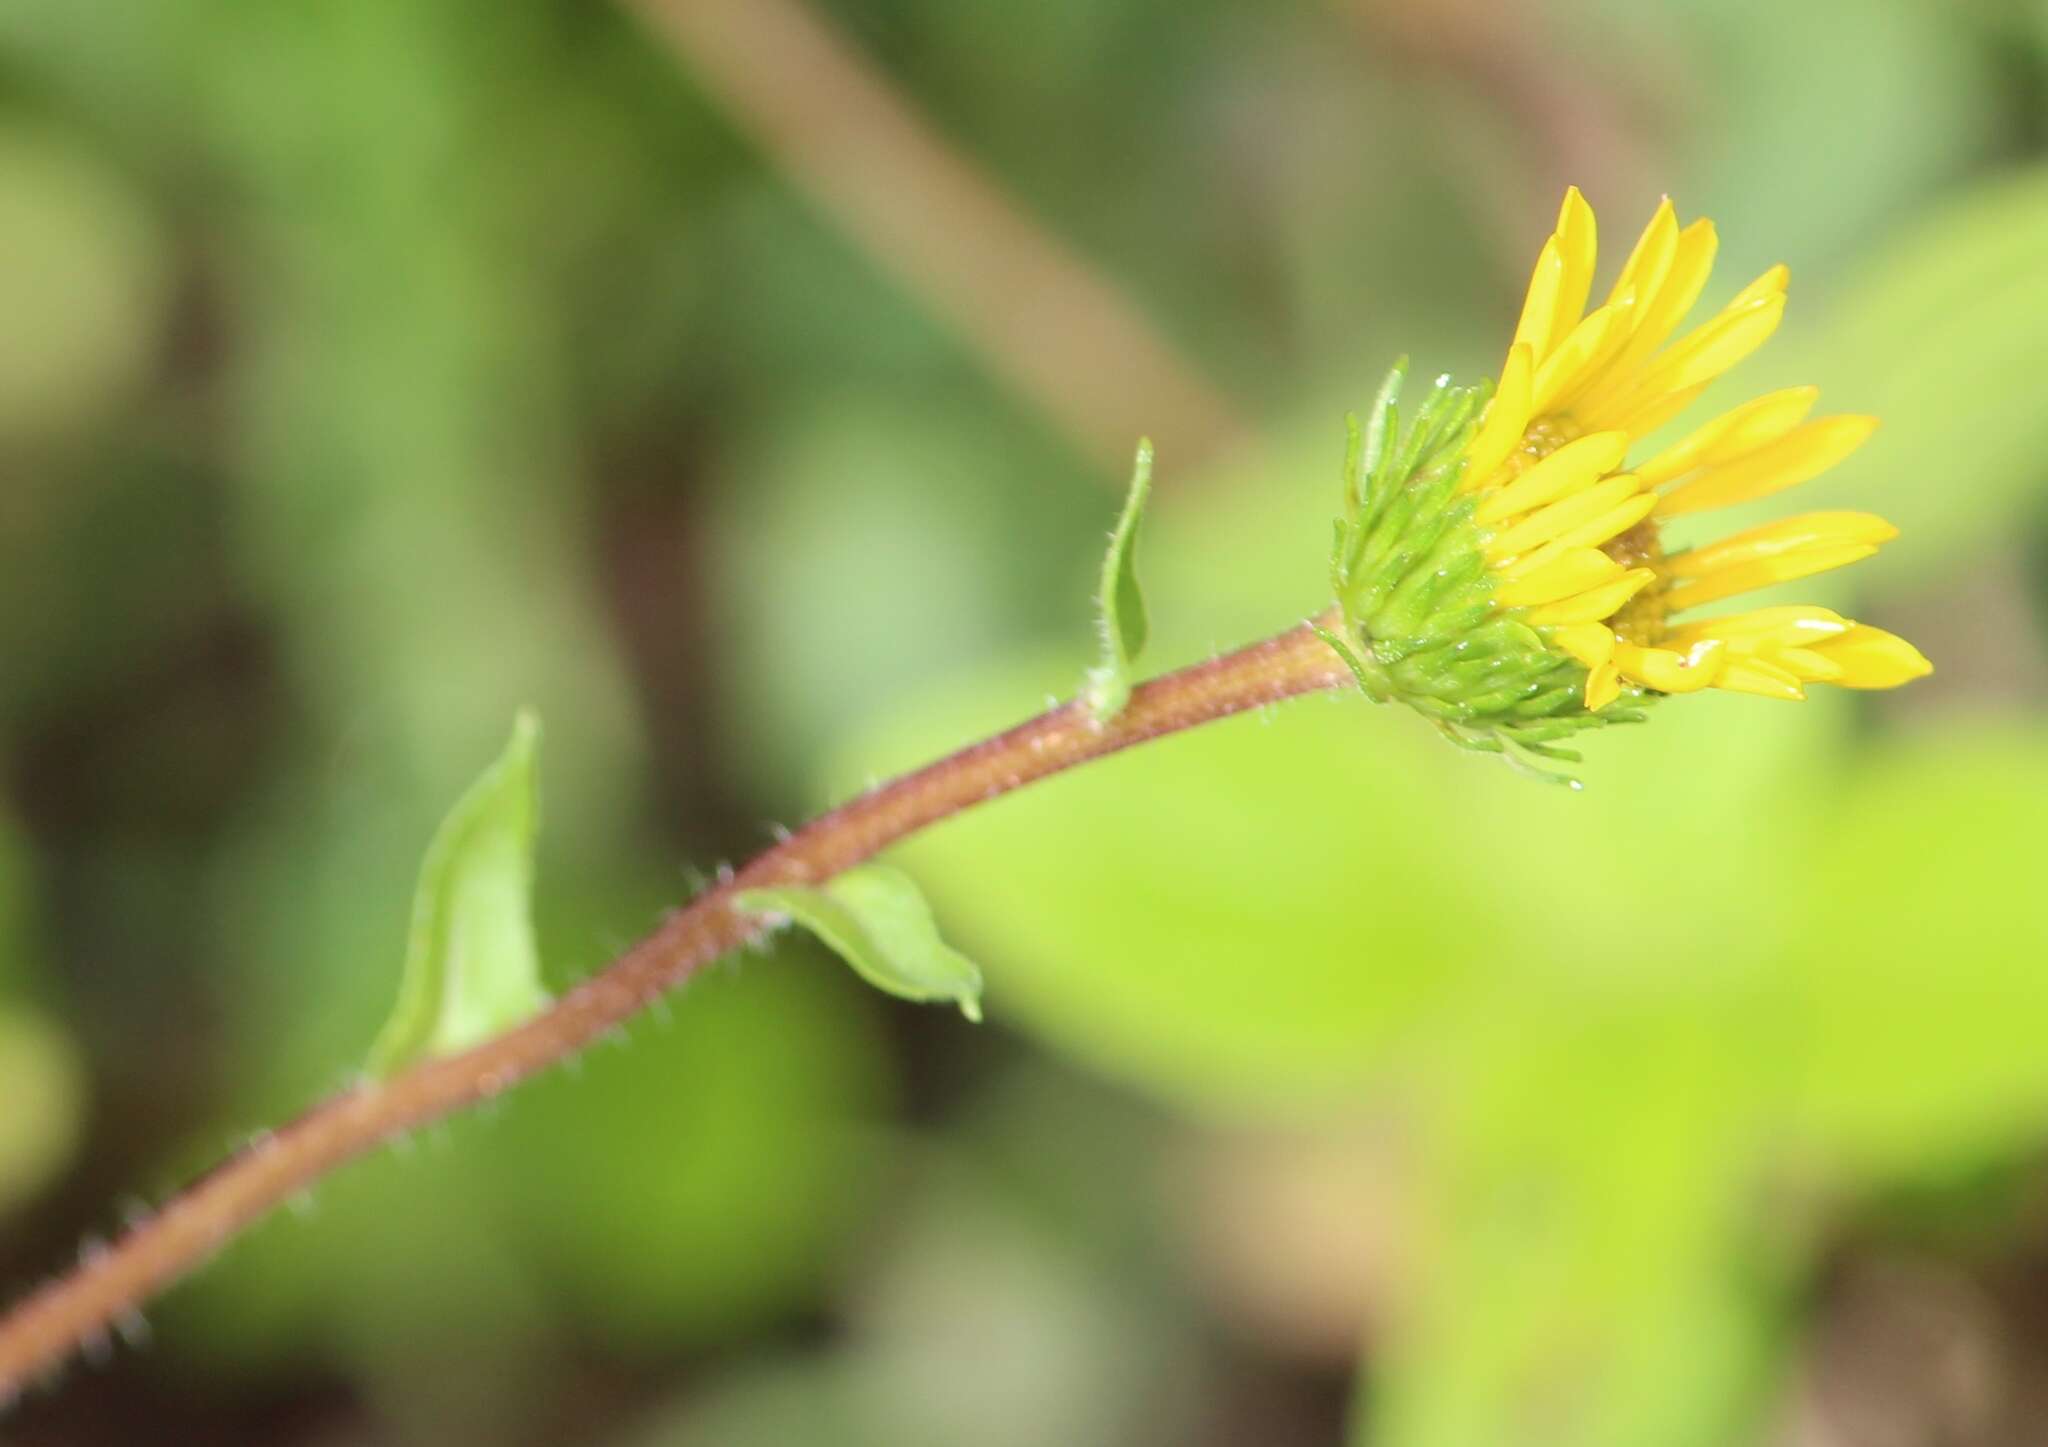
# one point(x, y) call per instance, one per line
point(748, 386)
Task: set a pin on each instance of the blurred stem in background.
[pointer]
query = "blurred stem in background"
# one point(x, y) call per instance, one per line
point(1064, 337)
point(1502, 54)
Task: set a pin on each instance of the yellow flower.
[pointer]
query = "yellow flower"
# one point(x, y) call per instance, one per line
point(1572, 533)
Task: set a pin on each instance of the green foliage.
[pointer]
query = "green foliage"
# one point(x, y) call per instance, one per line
point(1591, 1001)
point(1013, 1301)
point(83, 273)
point(677, 1188)
point(1920, 991)
point(1755, 58)
point(875, 918)
point(43, 1085)
point(1120, 605)
point(810, 563)
point(1937, 333)
point(42, 1078)
point(1596, 1274)
point(513, 372)
point(706, 1175)
point(1242, 842)
point(472, 968)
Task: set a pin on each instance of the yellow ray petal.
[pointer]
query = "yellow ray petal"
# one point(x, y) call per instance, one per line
point(1557, 573)
point(1563, 276)
point(1571, 468)
point(1624, 516)
point(1691, 263)
point(1804, 664)
point(1764, 573)
point(1799, 456)
point(1659, 315)
point(1507, 417)
point(1772, 283)
point(1668, 670)
point(1807, 530)
point(1595, 603)
point(1709, 350)
point(1580, 357)
point(1591, 643)
point(1539, 307)
point(1753, 675)
point(1578, 240)
point(1612, 523)
point(1872, 658)
point(1655, 412)
point(1650, 262)
point(1801, 625)
point(1603, 686)
point(1561, 517)
point(1732, 434)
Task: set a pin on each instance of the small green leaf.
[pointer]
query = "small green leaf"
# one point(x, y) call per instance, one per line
point(1122, 605)
point(472, 969)
point(876, 919)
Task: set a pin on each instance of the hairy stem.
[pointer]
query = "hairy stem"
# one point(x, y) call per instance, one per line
point(107, 1286)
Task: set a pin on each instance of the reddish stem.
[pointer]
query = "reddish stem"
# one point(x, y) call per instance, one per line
point(109, 1285)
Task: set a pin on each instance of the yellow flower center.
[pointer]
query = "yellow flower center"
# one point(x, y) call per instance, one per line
point(1543, 437)
point(1641, 618)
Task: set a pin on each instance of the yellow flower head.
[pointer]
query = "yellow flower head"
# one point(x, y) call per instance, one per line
point(1509, 574)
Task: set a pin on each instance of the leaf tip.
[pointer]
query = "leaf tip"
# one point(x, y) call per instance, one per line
point(526, 730)
point(875, 919)
point(472, 965)
point(1120, 604)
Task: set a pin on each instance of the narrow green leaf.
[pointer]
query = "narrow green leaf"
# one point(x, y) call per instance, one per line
point(876, 919)
point(1372, 688)
point(1122, 605)
point(1382, 429)
point(472, 969)
point(1355, 468)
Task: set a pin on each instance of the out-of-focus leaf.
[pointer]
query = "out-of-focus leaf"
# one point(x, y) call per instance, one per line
point(1588, 1270)
point(1013, 1301)
point(1222, 916)
point(1922, 954)
point(471, 966)
point(839, 528)
point(875, 918)
point(42, 1080)
point(427, 318)
point(1121, 604)
point(1939, 334)
point(13, 903)
point(42, 1084)
point(1743, 78)
point(82, 285)
point(678, 1186)
point(372, 1269)
point(701, 1176)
